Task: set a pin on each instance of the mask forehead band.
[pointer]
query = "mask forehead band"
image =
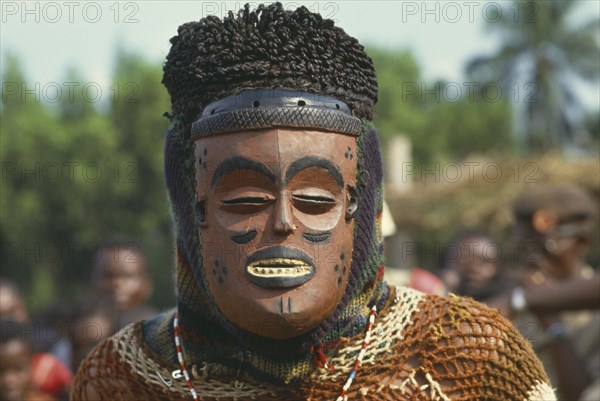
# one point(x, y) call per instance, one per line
point(270, 108)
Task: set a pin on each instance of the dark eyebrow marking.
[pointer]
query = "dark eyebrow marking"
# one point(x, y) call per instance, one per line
point(309, 161)
point(240, 163)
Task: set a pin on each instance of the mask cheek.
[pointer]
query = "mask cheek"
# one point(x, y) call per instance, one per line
point(230, 225)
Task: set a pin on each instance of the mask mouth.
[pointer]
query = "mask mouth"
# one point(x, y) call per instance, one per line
point(279, 267)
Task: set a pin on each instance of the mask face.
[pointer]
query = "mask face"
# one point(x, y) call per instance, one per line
point(275, 213)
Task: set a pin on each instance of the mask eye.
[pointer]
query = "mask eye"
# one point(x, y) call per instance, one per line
point(246, 203)
point(313, 202)
point(247, 200)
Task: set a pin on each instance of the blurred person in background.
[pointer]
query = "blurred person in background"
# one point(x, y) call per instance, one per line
point(93, 323)
point(471, 266)
point(554, 225)
point(16, 360)
point(122, 283)
point(57, 322)
point(11, 302)
point(48, 373)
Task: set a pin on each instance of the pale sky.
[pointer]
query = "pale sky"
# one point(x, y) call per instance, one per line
point(50, 37)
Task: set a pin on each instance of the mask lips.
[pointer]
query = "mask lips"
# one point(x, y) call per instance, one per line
point(279, 267)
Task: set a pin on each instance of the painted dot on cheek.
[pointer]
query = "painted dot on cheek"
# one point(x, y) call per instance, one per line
point(225, 270)
point(339, 281)
point(337, 268)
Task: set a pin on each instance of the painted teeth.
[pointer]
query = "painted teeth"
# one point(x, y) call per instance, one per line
point(278, 262)
point(279, 267)
point(273, 271)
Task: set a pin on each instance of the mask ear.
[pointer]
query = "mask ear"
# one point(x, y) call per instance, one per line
point(544, 221)
point(200, 212)
point(351, 202)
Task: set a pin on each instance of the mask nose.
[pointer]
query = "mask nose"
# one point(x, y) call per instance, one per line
point(283, 216)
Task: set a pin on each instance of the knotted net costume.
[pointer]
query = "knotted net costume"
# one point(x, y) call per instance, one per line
point(422, 347)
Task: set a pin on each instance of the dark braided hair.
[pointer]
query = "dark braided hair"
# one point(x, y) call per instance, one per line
point(267, 48)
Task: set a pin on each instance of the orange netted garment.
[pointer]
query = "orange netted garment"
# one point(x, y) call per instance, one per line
point(423, 347)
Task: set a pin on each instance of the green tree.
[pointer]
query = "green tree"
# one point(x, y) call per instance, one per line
point(75, 172)
point(541, 55)
point(471, 123)
point(399, 105)
point(30, 142)
point(443, 125)
point(136, 113)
